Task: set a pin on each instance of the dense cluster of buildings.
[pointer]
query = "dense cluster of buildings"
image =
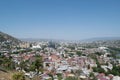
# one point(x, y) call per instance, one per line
point(66, 59)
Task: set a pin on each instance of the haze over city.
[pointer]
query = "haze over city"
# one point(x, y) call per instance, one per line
point(60, 19)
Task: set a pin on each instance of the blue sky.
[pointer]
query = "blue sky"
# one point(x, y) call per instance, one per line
point(60, 19)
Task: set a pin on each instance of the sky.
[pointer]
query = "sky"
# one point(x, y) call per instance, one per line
point(60, 19)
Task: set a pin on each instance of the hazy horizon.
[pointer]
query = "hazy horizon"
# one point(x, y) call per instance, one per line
point(85, 39)
point(60, 19)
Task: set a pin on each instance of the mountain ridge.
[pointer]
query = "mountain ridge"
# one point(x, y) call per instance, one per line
point(6, 37)
point(102, 39)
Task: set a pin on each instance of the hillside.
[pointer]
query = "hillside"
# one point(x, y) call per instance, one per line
point(7, 38)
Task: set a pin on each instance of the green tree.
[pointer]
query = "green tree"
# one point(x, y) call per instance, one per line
point(115, 71)
point(59, 76)
point(79, 53)
point(98, 69)
point(23, 65)
point(92, 76)
point(38, 64)
point(18, 76)
point(7, 63)
point(32, 67)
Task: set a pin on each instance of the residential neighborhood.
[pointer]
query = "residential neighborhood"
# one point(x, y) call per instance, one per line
point(52, 60)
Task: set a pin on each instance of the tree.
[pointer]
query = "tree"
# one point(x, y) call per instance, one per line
point(115, 71)
point(98, 53)
point(71, 47)
point(92, 56)
point(59, 76)
point(71, 78)
point(32, 67)
point(38, 64)
point(22, 65)
point(79, 53)
point(92, 76)
point(7, 63)
point(18, 76)
point(98, 69)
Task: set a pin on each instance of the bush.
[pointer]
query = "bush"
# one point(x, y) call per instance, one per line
point(18, 76)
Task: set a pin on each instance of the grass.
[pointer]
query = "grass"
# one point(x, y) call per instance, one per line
point(6, 75)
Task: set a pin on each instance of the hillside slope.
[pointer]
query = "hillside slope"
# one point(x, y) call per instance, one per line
point(6, 37)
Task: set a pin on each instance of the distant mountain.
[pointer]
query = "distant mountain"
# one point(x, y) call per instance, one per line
point(84, 40)
point(33, 39)
point(5, 37)
point(102, 39)
point(38, 39)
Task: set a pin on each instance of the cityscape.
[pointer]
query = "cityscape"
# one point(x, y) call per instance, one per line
point(59, 40)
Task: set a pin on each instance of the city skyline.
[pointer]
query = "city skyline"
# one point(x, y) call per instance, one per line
point(60, 19)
